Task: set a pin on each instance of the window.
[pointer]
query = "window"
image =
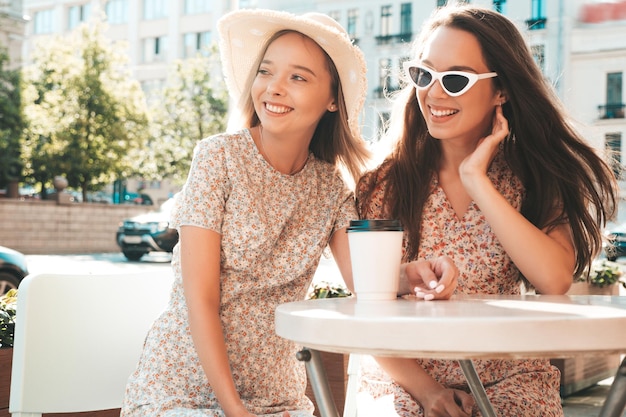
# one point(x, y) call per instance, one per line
point(385, 20)
point(613, 148)
point(197, 6)
point(614, 88)
point(499, 6)
point(538, 52)
point(538, 15)
point(614, 108)
point(43, 22)
point(155, 49)
point(154, 9)
point(117, 11)
point(353, 17)
point(538, 9)
point(406, 18)
point(196, 43)
point(77, 15)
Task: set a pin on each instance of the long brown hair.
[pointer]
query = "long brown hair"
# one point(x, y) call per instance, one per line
point(565, 180)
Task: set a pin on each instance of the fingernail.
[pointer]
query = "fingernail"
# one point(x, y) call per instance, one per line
point(432, 284)
point(428, 297)
point(440, 288)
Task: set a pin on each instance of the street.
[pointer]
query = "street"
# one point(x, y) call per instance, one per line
point(98, 263)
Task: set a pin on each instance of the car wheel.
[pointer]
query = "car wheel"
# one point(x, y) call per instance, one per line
point(7, 282)
point(134, 256)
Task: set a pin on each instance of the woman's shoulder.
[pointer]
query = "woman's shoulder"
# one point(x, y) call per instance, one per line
point(225, 139)
point(226, 143)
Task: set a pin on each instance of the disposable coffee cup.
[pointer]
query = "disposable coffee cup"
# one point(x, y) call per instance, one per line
point(375, 253)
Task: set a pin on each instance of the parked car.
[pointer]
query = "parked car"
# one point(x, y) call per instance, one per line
point(616, 242)
point(12, 269)
point(148, 232)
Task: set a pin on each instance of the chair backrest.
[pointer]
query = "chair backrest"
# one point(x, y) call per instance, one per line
point(79, 337)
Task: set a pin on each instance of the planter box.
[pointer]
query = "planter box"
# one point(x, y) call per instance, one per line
point(6, 360)
point(582, 372)
point(336, 367)
point(583, 288)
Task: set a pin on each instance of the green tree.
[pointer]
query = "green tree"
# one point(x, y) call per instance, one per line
point(11, 122)
point(86, 113)
point(192, 106)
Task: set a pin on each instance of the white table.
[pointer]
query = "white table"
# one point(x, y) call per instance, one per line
point(463, 328)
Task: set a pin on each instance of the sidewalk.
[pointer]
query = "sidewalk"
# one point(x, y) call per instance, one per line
point(588, 402)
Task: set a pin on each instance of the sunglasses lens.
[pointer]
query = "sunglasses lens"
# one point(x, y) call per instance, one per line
point(420, 77)
point(455, 83)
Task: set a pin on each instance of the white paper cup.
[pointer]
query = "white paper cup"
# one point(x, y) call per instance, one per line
point(375, 253)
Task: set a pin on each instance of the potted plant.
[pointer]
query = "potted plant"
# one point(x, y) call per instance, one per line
point(581, 372)
point(604, 278)
point(8, 303)
point(328, 290)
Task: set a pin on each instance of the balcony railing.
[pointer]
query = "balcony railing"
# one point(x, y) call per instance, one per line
point(611, 111)
point(394, 39)
point(536, 23)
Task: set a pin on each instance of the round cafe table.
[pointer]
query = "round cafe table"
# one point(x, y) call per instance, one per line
point(462, 328)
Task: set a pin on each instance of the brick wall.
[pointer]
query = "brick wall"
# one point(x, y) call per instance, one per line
point(45, 227)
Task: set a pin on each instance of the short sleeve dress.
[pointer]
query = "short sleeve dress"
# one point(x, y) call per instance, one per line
point(528, 388)
point(274, 228)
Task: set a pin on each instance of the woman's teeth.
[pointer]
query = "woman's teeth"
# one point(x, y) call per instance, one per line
point(442, 113)
point(276, 109)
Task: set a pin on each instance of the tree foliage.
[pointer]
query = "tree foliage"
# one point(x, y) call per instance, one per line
point(192, 106)
point(11, 122)
point(86, 114)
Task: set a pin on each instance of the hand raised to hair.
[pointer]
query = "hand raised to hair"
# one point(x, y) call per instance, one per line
point(476, 164)
point(432, 279)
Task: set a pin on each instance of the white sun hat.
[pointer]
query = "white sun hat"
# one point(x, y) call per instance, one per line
point(243, 34)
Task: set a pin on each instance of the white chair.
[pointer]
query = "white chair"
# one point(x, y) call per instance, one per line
point(79, 337)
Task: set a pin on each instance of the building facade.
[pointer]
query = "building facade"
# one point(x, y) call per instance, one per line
point(579, 44)
point(12, 30)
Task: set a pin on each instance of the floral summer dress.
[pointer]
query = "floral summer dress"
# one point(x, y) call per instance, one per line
point(515, 388)
point(274, 228)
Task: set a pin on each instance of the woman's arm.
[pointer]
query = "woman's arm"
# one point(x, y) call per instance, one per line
point(435, 399)
point(545, 258)
point(200, 264)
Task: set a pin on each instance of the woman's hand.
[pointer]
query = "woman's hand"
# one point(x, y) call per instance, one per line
point(477, 163)
point(449, 402)
point(432, 279)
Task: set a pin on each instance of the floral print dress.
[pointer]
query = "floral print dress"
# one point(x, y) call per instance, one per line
point(274, 228)
point(515, 387)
